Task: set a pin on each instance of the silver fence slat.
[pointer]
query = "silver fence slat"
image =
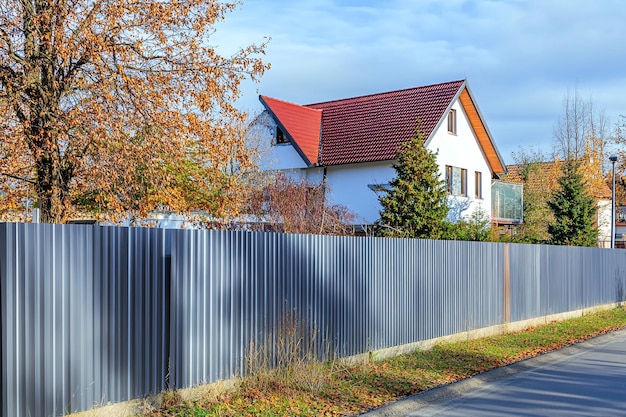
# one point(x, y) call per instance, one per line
point(92, 315)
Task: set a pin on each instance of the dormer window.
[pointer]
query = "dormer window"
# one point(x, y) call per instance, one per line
point(452, 122)
point(280, 136)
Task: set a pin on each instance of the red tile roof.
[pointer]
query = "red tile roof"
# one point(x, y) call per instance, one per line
point(372, 128)
point(300, 123)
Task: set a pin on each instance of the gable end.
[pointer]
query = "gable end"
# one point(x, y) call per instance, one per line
point(300, 125)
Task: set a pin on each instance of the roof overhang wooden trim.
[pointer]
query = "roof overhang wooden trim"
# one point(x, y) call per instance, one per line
point(487, 145)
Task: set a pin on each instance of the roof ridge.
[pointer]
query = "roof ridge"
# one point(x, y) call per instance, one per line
point(556, 161)
point(383, 93)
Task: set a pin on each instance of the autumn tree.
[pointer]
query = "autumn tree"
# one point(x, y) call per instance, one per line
point(581, 133)
point(119, 106)
point(540, 177)
point(280, 203)
point(416, 205)
point(574, 210)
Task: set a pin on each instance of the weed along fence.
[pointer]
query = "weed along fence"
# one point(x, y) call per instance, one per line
point(94, 315)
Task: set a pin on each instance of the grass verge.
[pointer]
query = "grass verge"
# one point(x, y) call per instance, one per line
point(337, 389)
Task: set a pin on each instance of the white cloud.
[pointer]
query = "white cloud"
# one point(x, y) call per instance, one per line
point(520, 57)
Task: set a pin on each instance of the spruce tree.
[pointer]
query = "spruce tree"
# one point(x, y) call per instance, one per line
point(574, 211)
point(415, 206)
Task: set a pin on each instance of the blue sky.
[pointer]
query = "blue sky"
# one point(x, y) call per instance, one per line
point(520, 57)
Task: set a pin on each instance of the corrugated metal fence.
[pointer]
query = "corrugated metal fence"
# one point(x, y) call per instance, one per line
point(92, 315)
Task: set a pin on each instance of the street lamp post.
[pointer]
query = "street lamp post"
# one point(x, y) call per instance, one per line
point(613, 159)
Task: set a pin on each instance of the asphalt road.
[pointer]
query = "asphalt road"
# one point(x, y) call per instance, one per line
point(587, 379)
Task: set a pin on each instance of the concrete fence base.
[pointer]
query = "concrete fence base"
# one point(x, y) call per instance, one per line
point(138, 407)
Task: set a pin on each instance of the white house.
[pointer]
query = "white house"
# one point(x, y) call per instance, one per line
point(352, 143)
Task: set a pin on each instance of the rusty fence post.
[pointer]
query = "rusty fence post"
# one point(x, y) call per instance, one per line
point(507, 284)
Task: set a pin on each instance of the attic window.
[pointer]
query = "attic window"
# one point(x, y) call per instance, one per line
point(280, 136)
point(452, 122)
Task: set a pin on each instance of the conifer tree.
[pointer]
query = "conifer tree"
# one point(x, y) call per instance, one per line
point(574, 211)
point(415, 206)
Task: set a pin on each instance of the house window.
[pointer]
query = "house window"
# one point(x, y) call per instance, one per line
point(280, 136)
point(452, 122)
point(478, 180)
point(457, 180)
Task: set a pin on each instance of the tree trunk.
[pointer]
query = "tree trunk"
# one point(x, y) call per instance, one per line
point(50, 192)
point(54, 174)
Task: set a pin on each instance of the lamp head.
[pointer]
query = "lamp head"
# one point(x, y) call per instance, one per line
point(613, 158)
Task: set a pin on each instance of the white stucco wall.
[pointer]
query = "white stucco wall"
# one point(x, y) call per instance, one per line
point(348, 186)
point(463, 150)
point(313, 175)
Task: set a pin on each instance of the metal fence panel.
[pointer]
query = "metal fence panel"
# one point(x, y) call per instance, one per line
point(92, 315)
point(555, 279)
point(82, 312)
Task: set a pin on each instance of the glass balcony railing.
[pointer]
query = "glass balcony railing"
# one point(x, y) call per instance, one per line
point(507, 201)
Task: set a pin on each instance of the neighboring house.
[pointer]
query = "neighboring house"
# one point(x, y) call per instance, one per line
point(540, 179)
point(620, 226)
point(620, 210)
point(352, 143)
